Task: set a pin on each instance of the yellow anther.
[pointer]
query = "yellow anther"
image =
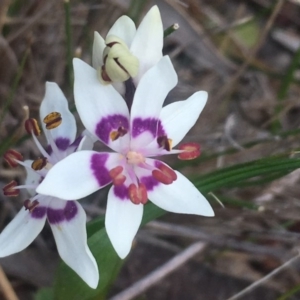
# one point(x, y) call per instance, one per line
point(52, 120)
point(114, 135)
point(39, 163)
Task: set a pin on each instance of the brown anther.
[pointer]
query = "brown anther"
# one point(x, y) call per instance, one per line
point(164, 174)
point(39, 163)
point(138, 194)
point(164, 142)
point(9, 189)
point(114, 135)
point(30, 205)
point(11, 156)
point(52, 120)
point(32, 126)
point(190, 151)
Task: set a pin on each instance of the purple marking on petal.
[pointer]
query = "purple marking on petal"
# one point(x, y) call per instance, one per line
point(121, 191)
point(77, 141)
point(61, 143)
point(150, 124)
point(106, 125)
point(99, 170)
point(150, 182)
point(56, 216)
point(39, 212)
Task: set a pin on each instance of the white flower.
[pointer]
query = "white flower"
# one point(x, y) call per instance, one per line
point(126, 51)
point(147, 130)
point(67, 219)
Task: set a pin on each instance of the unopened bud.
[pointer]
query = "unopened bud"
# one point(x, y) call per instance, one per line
point(119, 63)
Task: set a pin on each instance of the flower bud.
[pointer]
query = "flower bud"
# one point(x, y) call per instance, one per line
point(119, 63)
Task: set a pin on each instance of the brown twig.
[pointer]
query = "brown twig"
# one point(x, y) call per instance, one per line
point(161, 272)
point(262, 280)
point(6, 287)
point(229, 87)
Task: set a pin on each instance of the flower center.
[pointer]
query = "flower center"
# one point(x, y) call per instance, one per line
point(134, 158)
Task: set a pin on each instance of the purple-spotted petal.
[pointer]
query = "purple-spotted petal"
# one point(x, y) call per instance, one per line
point(179, 117)
point(180, 197)
point(148, 101)
point(79, 175)
point(55, 101)
point(101, 108)
point(22, 230)
point(122, 222)
point(68, 224)
point(123, 28)
point(98, 47)
point(148, 42)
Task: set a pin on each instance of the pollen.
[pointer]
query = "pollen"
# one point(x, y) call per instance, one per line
point(30, 205)
point(39, 163)
point(9, 189)
point(164, 174)
point(114, 135)
point(189, 151)
point(138, 194)
point(32, 127)
point(164, 142)
point(52, 120)
point(12, 156)
point(116, 175)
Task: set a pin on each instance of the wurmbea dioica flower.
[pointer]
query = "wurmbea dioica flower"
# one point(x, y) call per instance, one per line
point(137, 136)
point(67, 219)
point(126, 51)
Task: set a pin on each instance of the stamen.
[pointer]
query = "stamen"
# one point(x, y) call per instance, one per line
point(189, 151)
point(30, 205)
point(114, 135)
point(9, 189)
point(116, 175)
point(39, 163)
point(12, 157)
point(164, 174)
point(52, 120)
point(32, 127)
point(138, 194)
point(164, 142)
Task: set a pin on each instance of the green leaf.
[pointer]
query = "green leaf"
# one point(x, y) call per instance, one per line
point(69, 286)
point(44, 294)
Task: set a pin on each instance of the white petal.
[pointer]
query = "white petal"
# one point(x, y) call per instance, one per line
point(87, 142)
point(98, 47)
point(71, 241)
point(78, 175)
point(100, 107)
point(148, 42)
point(148, 100)
point(179, 117)
point(124, 28)
point(55, 101)
point(181, 197)
point(20, 232)
point(122, 222)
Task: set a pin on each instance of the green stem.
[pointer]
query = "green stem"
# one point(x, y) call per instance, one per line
point(68, 30)
point(171, 29)
point(15, 85)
